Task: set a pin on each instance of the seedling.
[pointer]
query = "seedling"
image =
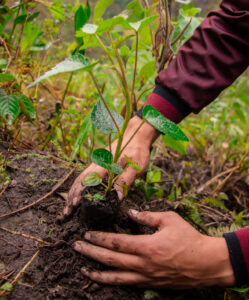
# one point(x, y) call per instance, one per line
point(111, 35)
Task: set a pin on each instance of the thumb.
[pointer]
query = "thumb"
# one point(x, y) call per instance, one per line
point(151, 219)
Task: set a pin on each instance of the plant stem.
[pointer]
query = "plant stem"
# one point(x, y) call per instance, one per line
point(134, 103)
point(166, 7)
point(133, 135)
point(58, 114)
point(108, 54)
point(103, 100)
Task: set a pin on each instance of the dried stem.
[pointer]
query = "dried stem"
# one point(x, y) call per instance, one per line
point(30, 237)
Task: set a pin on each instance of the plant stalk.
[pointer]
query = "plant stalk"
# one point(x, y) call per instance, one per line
point(134, 102)
point(103, 100)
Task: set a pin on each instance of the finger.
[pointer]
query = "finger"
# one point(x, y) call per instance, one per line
point(118, 242)
point(128, 177)
point(118, 277)
point(151, 219)
point(74, 195)
point(108, 257)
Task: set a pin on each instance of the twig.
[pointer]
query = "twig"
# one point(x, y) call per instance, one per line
point(30, 237)
point(234, 169)
point(8, 52)
point(215, 211)
point(24, 268)
point(42, 198)
point(181, 33)
point(4, 189)
point(198, 225)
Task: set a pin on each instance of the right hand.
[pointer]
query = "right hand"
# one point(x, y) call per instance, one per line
point(138, 150)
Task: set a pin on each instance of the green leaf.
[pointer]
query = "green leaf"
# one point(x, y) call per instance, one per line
point(76, 62)
point(132, 164)
point(174, 144)
point(139, 25)
point(240, 290)
point(117, 169)
point(6, 77)
point(33, 16)
point(3, 63)
point(165, 126)
point(7, 286)
point(148, 70)
point(121, 39)
point(92, 179)
point(153, 176)
point(103, 121)
point(124, 51)
point(100, 8)
point(20, 19)
point(9, 107)
point(84, 129)
point(102, 157)
point(27, 107)
point(80, 18)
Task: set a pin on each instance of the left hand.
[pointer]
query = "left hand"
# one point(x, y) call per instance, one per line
point(176, 256)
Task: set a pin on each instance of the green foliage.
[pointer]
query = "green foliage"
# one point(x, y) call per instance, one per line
point(92, 179)
point(132, 164)
point(165, 126)
point(7, 286)
point(12, 105)
point(6, 77)
point(179, 146)
point(100, 8)
point(104, 158)
point(102, 119)
point(76, 62)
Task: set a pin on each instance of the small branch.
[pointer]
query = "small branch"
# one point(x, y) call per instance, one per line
point(59, 184)
point(103, 100)
point(133, 135)
point(181, 33)
point(8, 53)
point(24, 268)
point(133, 96)
point(30, 237)
point(166, 8)
point(234, 169)
point(4, 189)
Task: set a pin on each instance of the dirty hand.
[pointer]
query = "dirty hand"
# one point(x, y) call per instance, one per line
point(138, 150)
point(176, 256)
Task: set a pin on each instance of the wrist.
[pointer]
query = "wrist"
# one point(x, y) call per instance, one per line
point(218, 269)
point(147, 134)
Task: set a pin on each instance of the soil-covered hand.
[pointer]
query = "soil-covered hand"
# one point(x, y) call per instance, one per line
point(175, 256)
point(138, 150)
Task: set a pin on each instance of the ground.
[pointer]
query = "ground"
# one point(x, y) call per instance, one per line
point(55, 272)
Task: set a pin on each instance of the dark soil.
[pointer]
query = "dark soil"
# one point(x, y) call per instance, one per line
point(55, 273)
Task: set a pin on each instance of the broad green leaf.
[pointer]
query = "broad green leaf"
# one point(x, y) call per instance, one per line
point(100, 8)
point(3, 63)
point(80, 19)
point(7, 286)
point(136, 11)
point(89, 28)
point(6, 77)
point(148, 70)
point(124, 51)
point(20, 19)
point(33, 16)
point(92, 179)
point(84, 129)
point(240, 290)
point(76, 62)
point(117, 169)
point(165, 126)
point(108, 25)
point(121, 39)
point(153, 176)
point(102, 157)
point(27, 106)
point(103, 121)
point(132, 164)
point(9, 107)
point(179, 146)
point(139, 25)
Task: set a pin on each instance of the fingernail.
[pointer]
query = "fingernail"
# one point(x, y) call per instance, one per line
point(75, 201)
point(77, 246)
point(87, 235)
point(133, 212)
point(120, 195)
point(84, 271)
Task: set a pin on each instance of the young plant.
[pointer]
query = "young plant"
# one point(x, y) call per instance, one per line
point(133, 24)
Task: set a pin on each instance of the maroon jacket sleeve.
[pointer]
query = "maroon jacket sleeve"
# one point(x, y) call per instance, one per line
point(205, 65)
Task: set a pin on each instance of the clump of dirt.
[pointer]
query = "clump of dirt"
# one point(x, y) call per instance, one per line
point(55, 273)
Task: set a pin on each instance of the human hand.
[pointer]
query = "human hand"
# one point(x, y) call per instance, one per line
point(176, 256)
point(138, 150)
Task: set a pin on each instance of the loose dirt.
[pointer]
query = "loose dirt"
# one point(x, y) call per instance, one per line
point(55, 272)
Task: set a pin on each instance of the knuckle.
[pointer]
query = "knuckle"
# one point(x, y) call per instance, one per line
point(171, 214)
